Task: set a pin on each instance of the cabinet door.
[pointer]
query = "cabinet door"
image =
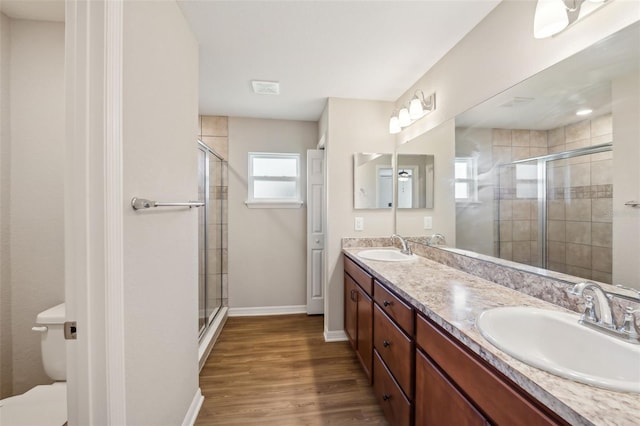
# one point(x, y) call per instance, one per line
point(351, 310)
point(438, 402)
point(365, 330)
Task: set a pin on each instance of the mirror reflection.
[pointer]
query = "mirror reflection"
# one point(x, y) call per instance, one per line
point(415, 181)
point(534, 176)
point(372, 180)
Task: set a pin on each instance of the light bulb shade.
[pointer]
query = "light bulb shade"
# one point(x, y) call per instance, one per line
point(550, 18)
point(394, 125)
point(416, 109)
point(403, 117)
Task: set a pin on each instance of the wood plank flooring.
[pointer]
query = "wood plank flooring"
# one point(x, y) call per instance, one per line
point(278, 370)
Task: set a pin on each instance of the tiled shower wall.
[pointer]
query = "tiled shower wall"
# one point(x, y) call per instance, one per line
point(579, 194)
point(214, 131)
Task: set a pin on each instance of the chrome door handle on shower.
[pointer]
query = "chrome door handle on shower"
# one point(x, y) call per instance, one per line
point(142, 203)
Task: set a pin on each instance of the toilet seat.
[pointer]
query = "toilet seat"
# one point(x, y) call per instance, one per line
point(44, 405)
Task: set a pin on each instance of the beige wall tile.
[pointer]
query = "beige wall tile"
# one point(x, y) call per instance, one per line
point(506, 251)
point(534, 229)
point(506, 177)
point(578, 210)
point(578, 255)
point(597, 140)
point(601, 259)
point(602, 210)
point(558, 267)
point(522, 251)
point(506, 230)
point(557, 177)
point(214, 126)
point(556, 230)
point(602, 172)
point(501, 154)
point(520, 153)
point(602, 277)
point(556, 148)
point(501, 137)
point(556, 252)
point(556, 210)
point(506, 210)
point(602, 156)
point(601, 234)
point(219, 144)
point(539, 138)
point(556, 137)
point(602, 125)
point(520, 138)
point(521, 231)
point(521, 209)
point(579, 272)
point(580, 143)
point(580, 174)
point(578, 232)
point(577, 131)
point(539, 152)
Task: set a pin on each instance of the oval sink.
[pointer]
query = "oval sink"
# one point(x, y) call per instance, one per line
point(386, 255)
point(557, 343)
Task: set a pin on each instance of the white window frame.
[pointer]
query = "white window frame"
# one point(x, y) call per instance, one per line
point(471, 180)
point(289, 202)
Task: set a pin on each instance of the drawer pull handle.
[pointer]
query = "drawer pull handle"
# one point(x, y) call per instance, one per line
point(386, 397)
point(386, 343)
point(386, 303)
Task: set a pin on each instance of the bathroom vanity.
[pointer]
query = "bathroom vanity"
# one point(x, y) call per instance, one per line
point(429, 364)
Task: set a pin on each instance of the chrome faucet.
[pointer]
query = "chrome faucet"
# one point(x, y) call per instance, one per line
point(405, 248)
point(628, 331)
point(436, 239)
point(606, 318)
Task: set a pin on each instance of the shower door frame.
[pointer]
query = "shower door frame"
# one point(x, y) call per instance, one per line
point(542, 188)
point(204, 148)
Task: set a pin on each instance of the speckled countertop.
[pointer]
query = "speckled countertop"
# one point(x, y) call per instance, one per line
point(454, 299)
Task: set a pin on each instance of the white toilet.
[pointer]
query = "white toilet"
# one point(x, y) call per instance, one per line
point(44, 405)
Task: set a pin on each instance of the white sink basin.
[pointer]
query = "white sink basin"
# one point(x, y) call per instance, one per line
point(386, 255)
point(557, 343)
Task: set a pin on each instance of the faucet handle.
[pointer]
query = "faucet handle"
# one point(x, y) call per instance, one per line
point(629, 322)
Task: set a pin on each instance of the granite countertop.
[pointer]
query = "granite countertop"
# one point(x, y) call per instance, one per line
point(454, 299)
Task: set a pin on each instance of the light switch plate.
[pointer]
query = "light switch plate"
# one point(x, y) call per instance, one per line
point(428, 222)
point(359, 224)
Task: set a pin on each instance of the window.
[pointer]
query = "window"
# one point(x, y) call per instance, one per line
point(466, 179)
point(274, 180)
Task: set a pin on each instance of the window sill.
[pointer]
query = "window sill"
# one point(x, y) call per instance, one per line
point(274, 204)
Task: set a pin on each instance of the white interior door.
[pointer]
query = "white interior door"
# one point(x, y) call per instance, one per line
point(315, 231)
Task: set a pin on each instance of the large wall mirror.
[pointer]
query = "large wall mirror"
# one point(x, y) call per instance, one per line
point(372, 180)
point(541, 173)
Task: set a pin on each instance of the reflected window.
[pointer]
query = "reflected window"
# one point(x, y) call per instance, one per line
point(274, 177)
point(466, 179)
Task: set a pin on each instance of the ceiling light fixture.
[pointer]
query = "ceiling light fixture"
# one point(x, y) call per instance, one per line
point(553, 16)
point(265, 87)
point(418, 108)
point(585, 111)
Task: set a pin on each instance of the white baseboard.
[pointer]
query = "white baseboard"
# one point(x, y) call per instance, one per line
point(210, 337)
point(335, 336)
point(194, 409)
point(267, 310)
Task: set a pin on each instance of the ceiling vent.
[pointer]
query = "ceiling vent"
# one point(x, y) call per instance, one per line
point(516, 102)
point(265, 87)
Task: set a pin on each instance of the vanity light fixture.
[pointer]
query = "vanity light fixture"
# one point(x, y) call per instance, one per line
point(553, 16)
point(418, 108)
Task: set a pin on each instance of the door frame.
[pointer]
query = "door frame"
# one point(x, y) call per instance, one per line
point(94, 208)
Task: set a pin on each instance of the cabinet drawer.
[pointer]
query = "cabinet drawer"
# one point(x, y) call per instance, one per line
point(395, 348)
point(359, 275)
point(394, 307)
point(396, 407)
point(501, 401)
point(438, 402)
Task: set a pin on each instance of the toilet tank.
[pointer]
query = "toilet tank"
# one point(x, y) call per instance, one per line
point(52, 343)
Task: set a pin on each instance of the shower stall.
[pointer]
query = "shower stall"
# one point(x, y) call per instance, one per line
point(555, 212)
point(211, 237)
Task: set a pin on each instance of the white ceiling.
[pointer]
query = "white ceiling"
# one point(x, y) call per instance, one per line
point(319, 49)
point(315, 48)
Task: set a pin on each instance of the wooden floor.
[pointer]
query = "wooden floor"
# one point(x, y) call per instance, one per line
point(278, 370)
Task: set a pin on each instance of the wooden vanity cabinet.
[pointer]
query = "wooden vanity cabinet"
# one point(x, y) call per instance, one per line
point(358, 313)
point(468, 384)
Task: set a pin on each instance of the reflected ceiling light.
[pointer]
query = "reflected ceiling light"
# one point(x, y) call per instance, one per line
point(553, 16)
point(585, 111)
point(418, 108)
point(403, 175)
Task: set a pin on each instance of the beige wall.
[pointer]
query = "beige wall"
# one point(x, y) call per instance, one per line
point(353, 126)
point(6, 360)
point(436, 142)
point(161, 246)
point(626, 180)
point(267, 247)
point(32, 192)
